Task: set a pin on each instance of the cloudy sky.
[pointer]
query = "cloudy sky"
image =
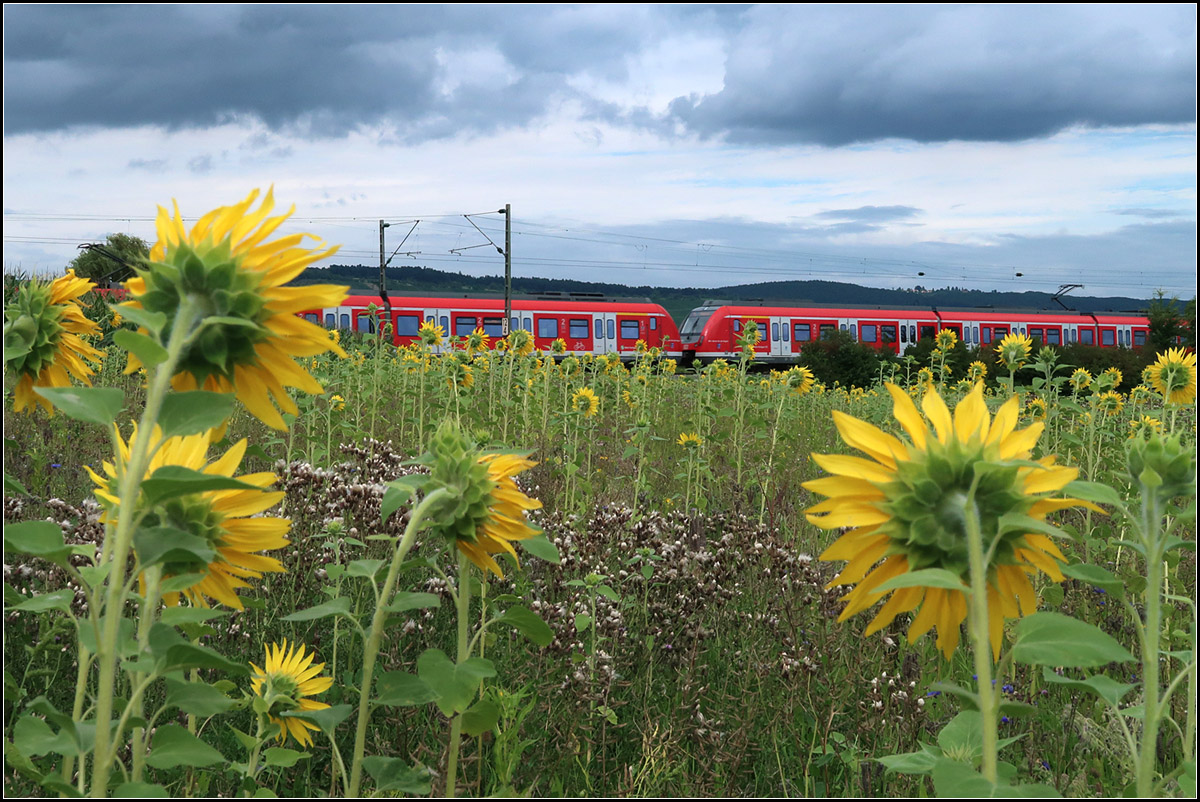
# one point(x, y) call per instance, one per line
point(669, 145)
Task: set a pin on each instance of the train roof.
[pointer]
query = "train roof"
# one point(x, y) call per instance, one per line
point(973, 312)
point(552, 295)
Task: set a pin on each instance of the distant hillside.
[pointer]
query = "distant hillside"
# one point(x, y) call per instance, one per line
point(679, 301)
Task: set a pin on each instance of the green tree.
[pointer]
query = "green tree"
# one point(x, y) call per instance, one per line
point(113, 261)
point(1165, 321)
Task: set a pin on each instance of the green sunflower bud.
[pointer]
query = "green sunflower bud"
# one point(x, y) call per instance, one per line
point(1163, 466)
point(454, 465)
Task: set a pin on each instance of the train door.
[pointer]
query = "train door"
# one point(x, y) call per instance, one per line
point(907, 335)
point(339, 317)
point(781, 337)
point(407, 323)
point(604, 330)
point(440, 317)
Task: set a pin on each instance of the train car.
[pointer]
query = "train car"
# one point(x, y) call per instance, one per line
point(712, 331)
point(586, 325)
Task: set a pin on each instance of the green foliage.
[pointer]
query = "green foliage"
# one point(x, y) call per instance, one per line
point(837, 357)
point(103, 268)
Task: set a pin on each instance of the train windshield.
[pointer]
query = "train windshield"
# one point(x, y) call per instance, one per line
point(696, 320)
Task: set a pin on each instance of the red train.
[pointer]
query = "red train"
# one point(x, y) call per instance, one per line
point(597, 326)
point(712, 331)
point(586, 325)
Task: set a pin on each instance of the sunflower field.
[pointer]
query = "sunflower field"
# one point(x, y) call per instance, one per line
point(246, 556)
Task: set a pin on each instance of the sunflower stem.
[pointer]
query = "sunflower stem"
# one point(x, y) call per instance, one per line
point(375, 637)
point(145, 622)
point(978, 627)
point(131, 485)
point(464, 609)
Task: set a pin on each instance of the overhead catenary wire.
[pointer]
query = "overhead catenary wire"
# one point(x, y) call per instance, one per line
point(738, 262)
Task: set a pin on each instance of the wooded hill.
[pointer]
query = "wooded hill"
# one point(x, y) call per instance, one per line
point(679, 301)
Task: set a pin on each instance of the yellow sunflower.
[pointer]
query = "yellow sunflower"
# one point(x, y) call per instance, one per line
point(485, 510)
point(216, 519)
point(478, 341)
point(42, 343)
point(1173, 375)
point(1081, 379)
point(690, 441)
point(431, 334)
point(226, 267)
point(290, 677)
point(520, 342)
point(799, 379)
point(977, 371)
point(905, 508)
point(1014, 350)
point(1109, 403)
point(584, 400)
point(945, 340)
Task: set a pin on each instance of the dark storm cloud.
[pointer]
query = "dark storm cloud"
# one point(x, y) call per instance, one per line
point(316, 70)
point(840, 75)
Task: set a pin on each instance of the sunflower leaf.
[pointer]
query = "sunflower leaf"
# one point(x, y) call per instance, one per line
point(1093, 491)
point(529, 624)
point(148, 351)
point(542, 548)
point(1058, 640)
point(1103, 686)
point(159, 544)
point(194, 412)
point(171, 481)
point(926, 577)
point(99, 405)
point(1097, 576)
point(339, 606)
point(174, 746)
point(393, 774)
point(480, 717)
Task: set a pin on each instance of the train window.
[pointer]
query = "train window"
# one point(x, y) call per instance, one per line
point(528, 324)
point(737, 325)
point(1106, 337)
point(445, 322)
point(463, 326)
point(493, 326)
point(329, 320)
point(975, 335)
point(547, 327)
point(903, 334)
point(514, 324)
point(1038, 333)
point(1053, 337)
point(801, 332)
point(854, 330)
point(344, 321)
point(653, 324)
point(889, 334)
point(912, 333)
point(365, 324)
point(826, 330)
point(629, 329)
point(312, 317)
point(868, 333)
point(429, 318)
point(611, 327)
point(407, 325)
point(774, 332)
point(786, 332)
point(1000, 332)
point(1073, 336)
point(1087, 336)
point(1139, 338)
point(578, 328)
point(926, 331)
point(599, 329)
